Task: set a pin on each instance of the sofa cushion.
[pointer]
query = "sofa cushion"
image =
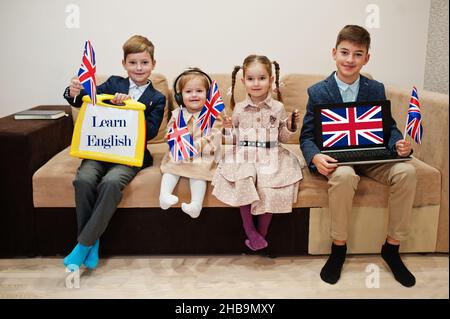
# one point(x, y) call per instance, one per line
point(293, 89)
point(313, 190)
point(52, 185)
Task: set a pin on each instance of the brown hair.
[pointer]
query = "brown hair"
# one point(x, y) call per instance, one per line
point(356, 34)
point(191, 75)
point(256, 59)
point(138, 44)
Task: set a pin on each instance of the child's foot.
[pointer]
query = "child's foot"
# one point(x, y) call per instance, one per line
point(258, 246)
point(193, 209)
point(166, 201)
point(77, 256)
point(331, 271)
point(91, 260)
point(255, 241)
point(392, 258)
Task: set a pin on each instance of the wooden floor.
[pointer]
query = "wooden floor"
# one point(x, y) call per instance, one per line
point(222, 277)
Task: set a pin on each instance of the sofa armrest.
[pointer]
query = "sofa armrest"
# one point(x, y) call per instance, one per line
point(434, 147)
point(26, 145)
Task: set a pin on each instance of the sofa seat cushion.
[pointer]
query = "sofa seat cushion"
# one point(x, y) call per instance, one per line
point(52, 185)
point(313, 190)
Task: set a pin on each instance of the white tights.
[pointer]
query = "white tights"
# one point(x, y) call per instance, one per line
point(198, 189)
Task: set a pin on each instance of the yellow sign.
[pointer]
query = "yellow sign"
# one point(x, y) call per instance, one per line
point(110, 133)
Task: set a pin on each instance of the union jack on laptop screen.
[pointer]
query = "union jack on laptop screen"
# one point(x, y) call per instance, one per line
point(352, 126)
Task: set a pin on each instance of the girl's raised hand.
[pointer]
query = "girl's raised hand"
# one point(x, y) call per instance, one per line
point(293, 121)
point(227, 123)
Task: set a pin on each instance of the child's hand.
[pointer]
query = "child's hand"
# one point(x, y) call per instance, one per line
point(119, 98)
point(325, 164)
point(227, 123)
point(75, 87)
point(296, 116)
point(403, 148)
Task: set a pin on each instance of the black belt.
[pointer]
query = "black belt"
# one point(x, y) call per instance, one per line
point(259, 144)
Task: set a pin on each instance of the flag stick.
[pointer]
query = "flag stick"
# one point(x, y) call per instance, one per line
point(407, 117)
point(406, 125)
point(75, 97)
point(226, 116)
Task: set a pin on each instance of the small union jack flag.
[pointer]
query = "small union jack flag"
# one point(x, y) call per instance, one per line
point(359, 125)
point(213, 106)
point(180, 140)
point(86, 74)
point(414, 122)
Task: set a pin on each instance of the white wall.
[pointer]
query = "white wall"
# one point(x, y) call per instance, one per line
point(436, 66)
point(39, 53)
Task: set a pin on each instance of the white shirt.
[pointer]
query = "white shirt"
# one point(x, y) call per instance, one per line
point(136, 91)
point(349, 92)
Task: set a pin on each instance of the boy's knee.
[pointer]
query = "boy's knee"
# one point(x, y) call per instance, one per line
point(111, 183)
point(405, 171)
point(84, 181)
point(345, 175)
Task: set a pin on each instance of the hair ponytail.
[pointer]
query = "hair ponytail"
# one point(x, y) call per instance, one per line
point(277, 79)
point(233, 82)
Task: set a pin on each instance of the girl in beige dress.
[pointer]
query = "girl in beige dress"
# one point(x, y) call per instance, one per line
point(256, 172)
point(193, 86)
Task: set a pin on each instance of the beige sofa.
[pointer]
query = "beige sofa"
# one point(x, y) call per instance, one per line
point(52, 183)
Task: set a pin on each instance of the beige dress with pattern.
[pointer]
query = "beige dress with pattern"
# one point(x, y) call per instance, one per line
point(266, 178)
point(204, 164)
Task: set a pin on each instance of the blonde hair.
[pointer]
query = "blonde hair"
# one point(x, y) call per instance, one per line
point(256, 59)
point(138, 44)
point(191, 75)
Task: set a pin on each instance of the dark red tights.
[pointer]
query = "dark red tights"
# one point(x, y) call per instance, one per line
point(255, 235)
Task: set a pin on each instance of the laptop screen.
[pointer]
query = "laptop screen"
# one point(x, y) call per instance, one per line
point(352, 125)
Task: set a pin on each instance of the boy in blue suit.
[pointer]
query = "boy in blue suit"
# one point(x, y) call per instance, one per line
point(351, 53)
point(99, 185)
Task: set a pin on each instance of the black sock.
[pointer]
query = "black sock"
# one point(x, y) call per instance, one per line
point(392, 258)
point(331, 272)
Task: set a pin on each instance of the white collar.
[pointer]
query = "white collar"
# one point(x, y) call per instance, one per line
point(139, 87)
point(187, 115)
point(344, 86)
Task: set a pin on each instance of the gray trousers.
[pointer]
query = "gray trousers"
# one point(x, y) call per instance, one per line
point(98, 191)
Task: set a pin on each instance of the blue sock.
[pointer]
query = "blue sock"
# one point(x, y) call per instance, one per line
point(77, 256)
point(91, 260)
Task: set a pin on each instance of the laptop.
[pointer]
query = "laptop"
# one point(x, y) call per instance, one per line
point(355, 132)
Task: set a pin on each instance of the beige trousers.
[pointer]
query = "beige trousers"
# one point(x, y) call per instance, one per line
point(400, 176)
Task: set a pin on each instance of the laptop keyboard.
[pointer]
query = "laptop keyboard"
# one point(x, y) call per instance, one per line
point(362, 155)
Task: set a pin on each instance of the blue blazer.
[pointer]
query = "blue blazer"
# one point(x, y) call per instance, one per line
point(153, 100)
point(327, 91)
